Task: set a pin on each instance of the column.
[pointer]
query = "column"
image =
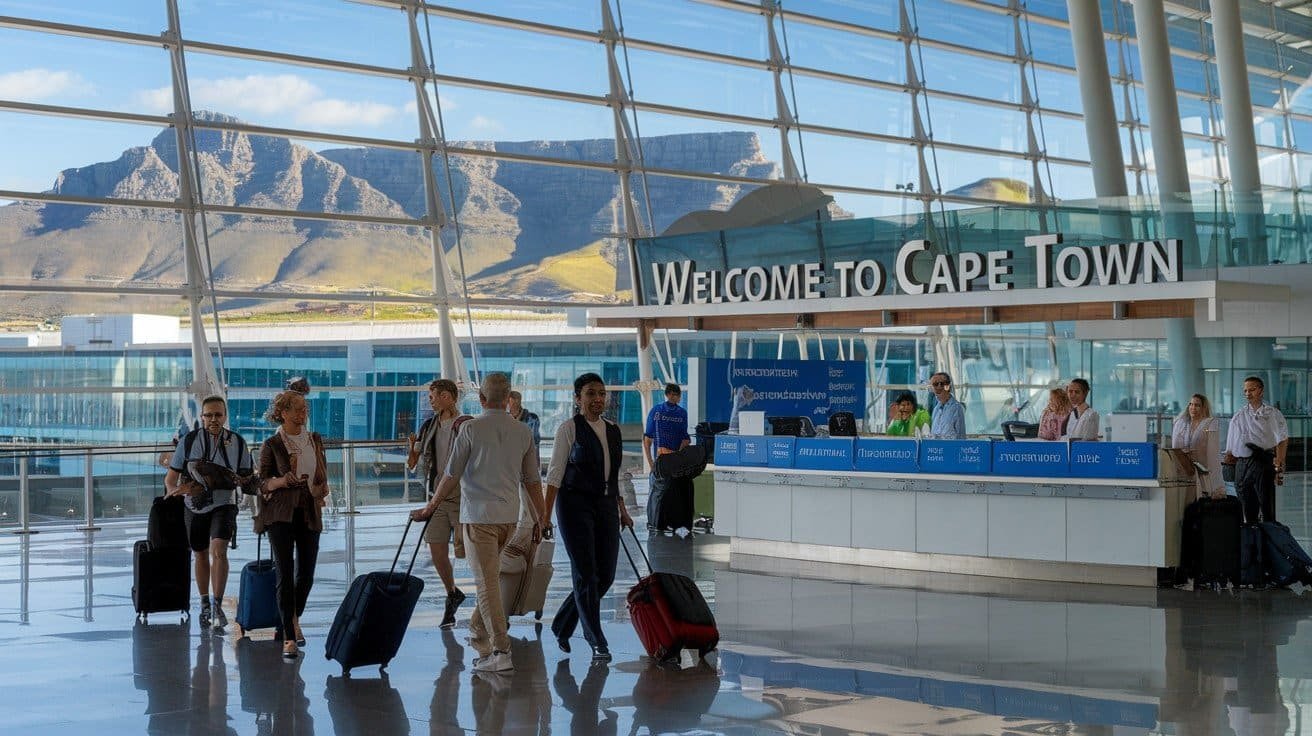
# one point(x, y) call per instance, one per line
point(1172, 182)
point(1240, 142)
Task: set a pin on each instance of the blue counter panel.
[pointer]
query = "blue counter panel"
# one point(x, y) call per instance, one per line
point(1114, 460)
point(727, 449)
point(887, 456)
point(1031, 459)
point(752, 451)
point(962, 457)
point(780, 450)
point(824, 453)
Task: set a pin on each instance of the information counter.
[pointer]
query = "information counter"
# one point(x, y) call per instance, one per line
point(1079, 512)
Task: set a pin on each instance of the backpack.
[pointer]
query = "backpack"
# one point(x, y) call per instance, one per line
point(455, 431)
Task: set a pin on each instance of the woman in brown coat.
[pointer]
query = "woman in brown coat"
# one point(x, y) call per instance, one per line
point(293, 489)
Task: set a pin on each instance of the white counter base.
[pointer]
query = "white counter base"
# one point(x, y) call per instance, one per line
point(1025, 528)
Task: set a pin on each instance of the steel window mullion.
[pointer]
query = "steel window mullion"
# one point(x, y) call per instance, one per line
point(85, 113)
point(89, 32)
point(314, 62)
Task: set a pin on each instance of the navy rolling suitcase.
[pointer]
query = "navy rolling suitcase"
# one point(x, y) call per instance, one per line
point(257, 599)
point(1286, 561)
point(161, 579)
point(372, 619)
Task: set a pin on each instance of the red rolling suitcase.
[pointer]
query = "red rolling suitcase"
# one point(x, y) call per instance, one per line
point(669, 612)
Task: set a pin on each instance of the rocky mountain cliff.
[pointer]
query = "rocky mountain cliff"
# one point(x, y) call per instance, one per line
point(515, 217)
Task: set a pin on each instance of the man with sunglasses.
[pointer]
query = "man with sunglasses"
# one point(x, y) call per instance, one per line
point(211, 513)
point(948, 416)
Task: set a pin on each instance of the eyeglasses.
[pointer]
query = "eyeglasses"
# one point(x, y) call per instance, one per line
point(214, 415)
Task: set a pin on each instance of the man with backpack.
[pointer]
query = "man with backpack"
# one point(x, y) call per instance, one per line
point(429, 453)
point(211, 512)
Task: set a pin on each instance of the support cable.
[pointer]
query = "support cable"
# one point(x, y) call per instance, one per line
point(792, 88)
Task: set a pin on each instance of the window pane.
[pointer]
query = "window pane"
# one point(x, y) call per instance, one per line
point(952, 72)
point(1269, 126)
point(557, 129)
point(978, 125)
point(674, 197)
point(964, 25)
point(1068, 182)
point(663, 79)
point(97, 159)
point(136, 16)
point(79, 72)
point(1064, 137)
point(846, 53)
point(695, 25)
point(856, 12)
point(1049, 43)
point(1057, 90)
point(478, 51)
point(278, 95)
point(339, 30)
point(840, 105)
point(584, 14)
point(858, 163)
point(985, 177)
point(710, 147)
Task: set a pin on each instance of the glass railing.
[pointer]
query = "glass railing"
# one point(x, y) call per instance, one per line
point(82, 487)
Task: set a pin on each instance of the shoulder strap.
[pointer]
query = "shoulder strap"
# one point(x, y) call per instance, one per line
point(188, 441)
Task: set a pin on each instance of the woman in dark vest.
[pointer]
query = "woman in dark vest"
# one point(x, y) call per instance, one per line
point(293, 491)
point(583, 487)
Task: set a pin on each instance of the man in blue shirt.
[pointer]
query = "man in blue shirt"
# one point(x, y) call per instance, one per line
point(667, 426)
point(949, 416)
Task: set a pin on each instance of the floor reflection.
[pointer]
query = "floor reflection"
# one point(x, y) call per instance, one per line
point(807, 649)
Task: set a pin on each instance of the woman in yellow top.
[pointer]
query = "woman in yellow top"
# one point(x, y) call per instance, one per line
point(907, 416)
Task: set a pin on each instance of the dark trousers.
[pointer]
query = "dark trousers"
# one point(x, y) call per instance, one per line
point(1255, 482)
point(294, 579)
point(590, 529)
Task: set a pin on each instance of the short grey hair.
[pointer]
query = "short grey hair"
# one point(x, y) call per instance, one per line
point(496, 388)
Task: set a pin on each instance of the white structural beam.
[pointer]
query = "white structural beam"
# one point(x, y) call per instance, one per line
point(1240, 140)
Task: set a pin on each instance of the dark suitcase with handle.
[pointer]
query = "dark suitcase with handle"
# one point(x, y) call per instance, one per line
point(372, 619)
point(166, 526)
point(1286, 561)
point(669, 612)
point(257, 599)
point(161, 579)
point(669, 504)
point(1210, 541)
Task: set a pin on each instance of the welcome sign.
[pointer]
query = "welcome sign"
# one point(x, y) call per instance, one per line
point(1074, 266)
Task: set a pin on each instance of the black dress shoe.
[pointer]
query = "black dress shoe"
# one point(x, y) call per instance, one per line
point(563, 643)
point(600, 654)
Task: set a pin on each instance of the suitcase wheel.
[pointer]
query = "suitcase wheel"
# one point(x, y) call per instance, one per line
point(142, 618)
point(346, 671)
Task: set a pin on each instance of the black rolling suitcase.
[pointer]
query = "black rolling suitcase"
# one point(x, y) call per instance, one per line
point(686, 463)
point(372, 619)
point(669, 504)
point(166, 526)
point(1210, 541)
point(161, 579)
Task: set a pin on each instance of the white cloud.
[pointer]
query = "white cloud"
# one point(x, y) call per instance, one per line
point(265, 96)
point(40, 84)
point(485, 124)
point(341, 112)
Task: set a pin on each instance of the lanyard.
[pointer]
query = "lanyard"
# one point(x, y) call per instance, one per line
point(208, 452)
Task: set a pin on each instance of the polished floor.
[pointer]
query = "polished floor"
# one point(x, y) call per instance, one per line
point(807, 649)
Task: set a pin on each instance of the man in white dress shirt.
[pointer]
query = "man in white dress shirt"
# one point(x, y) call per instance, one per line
point(1083, 422)
point(1256, 446)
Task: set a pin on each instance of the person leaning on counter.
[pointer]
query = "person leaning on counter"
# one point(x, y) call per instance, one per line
point(1083, 422)
point(1256, 446)
point(948, 416)
point(1195, 432)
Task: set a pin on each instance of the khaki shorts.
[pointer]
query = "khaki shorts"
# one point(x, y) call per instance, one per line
point(445, 524)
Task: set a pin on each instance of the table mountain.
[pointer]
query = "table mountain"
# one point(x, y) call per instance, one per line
point(518, 220)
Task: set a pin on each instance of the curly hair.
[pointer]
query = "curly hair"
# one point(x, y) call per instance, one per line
point(281, 402)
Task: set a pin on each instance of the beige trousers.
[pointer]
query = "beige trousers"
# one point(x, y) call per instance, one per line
point(483, 545)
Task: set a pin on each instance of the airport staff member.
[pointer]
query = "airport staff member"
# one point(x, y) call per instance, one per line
point(1256, 446)
point(667, 426)
point(948, 416)
point(1083, 422)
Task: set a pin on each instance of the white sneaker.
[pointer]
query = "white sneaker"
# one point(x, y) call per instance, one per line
point(497, 661)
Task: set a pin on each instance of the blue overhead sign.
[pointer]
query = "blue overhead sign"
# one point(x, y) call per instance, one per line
point(784, 388)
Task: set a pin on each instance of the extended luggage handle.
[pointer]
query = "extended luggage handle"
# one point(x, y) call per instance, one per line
point(632, 564)
point(408, 523)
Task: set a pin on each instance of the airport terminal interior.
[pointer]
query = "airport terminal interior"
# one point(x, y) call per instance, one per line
point(879, 246)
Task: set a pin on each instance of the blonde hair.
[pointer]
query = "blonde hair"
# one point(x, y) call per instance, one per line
point(1206, 406)
point(1058, 401)
point(281, 403)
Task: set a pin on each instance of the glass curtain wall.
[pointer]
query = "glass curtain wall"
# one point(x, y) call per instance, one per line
point(307, 138)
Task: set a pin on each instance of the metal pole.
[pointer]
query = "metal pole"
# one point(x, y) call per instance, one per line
point(24, 580)
point(89, 496)
point(348, 478)
point(88, 582)
point(24, 507)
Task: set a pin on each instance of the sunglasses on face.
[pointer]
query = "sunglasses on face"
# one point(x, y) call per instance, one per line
point(938, 384)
